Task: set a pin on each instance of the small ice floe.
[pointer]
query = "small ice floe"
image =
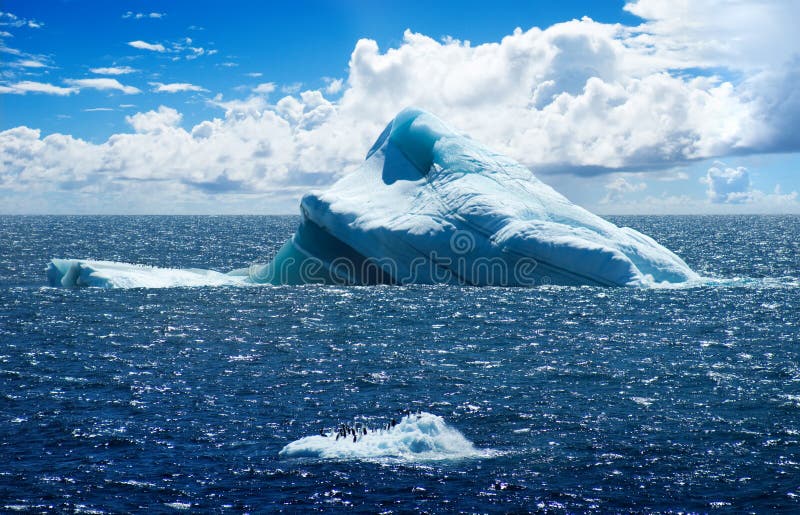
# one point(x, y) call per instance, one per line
point(178, 505)
point(416, 437)
point(643, 401)
point(74, 273)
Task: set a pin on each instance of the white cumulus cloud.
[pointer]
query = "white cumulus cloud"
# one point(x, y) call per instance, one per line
point(728, 185)
point(155, 121)
point(581, 97)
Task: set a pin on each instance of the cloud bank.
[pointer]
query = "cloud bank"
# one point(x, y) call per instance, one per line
point(580, 97)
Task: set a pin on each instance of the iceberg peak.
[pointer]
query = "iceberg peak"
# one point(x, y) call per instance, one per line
point(415, 132)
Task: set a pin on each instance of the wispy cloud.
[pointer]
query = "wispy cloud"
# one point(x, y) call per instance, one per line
point(113, 70)
point(144, 45)
point(291, 88)
point(25, 60)
point(183, 48)
point(97, 109)
point(27, 86)
point(29, 63)
point(11, 20)
point(264, 89)
point(103, 84)
point(141, 16)
point(175, 87)
point(619, 187)
point(255, 75)
point(334, 85)
point(9, 50)
point(193, 51)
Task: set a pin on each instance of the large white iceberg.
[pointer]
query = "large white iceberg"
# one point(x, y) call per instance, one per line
point(431, 206)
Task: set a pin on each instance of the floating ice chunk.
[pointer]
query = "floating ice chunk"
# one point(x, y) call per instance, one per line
point(415, 438)
point(431, 206)
point(178, 505)
point(73, 273)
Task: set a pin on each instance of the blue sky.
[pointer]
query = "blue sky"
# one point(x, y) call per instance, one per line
point(286, 42)
point(177, 106)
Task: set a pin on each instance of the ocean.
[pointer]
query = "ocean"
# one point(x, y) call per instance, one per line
point(561, 399)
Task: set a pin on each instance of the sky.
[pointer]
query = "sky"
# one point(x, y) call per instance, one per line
point(178, 107)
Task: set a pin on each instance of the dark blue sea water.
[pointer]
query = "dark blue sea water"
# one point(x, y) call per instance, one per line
point(586, 399)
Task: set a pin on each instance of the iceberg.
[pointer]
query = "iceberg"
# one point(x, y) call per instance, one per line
point(75, 273)
point(416, 437)
point(429, 205)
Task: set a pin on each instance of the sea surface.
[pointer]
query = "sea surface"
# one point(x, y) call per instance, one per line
point(575, 399)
